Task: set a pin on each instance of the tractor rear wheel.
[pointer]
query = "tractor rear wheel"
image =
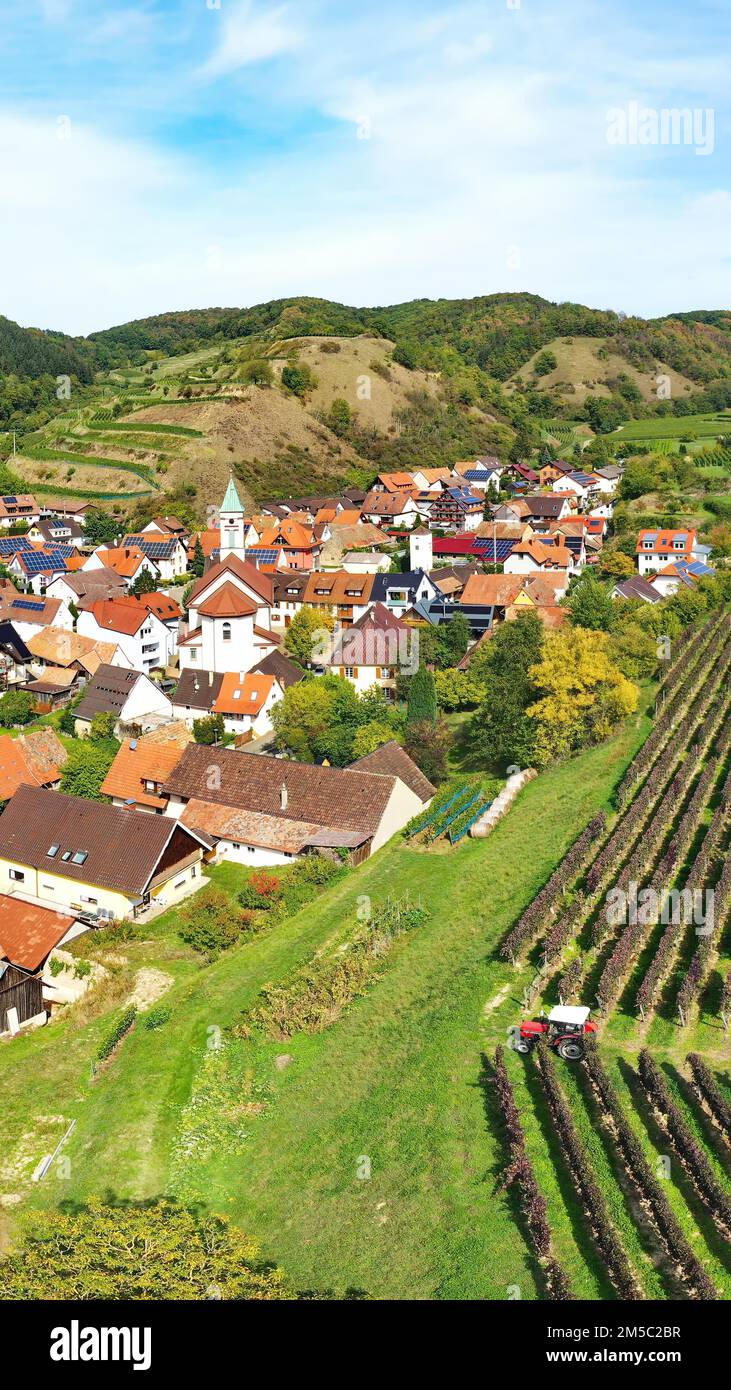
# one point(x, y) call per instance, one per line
point(523, 1045)
point(571, 1051)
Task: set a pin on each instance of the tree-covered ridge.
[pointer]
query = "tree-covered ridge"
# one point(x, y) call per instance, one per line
point(32, 352)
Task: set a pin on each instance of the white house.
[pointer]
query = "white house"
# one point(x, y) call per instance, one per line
point(657, 549)
point(583, 486)
point(245, 700)
point(145, 640)
point(30, 615)
point(129, 695)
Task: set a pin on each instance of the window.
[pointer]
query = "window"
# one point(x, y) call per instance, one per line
point(17, 876)
point(349, 671)
point(52, 851)
point(226, 634)
point(66, 855)
point(80, 856)
point(194, 653)
point(86, 899)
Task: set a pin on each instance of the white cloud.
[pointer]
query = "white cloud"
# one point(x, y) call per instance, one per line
point(249, 35)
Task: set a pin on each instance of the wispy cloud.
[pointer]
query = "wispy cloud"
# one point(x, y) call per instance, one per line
point(250, 34)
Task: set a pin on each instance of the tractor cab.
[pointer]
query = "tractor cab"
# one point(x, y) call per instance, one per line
point(566, 1028)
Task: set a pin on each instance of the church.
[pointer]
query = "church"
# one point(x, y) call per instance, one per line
point(229, 607)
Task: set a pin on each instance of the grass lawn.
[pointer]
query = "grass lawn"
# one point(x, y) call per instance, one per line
point(394, 1084)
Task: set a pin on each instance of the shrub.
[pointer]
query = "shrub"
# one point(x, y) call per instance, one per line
point(16, 707)
point(156, 1016)
point(82, 969)
point(118, 1032)
point(210, 923)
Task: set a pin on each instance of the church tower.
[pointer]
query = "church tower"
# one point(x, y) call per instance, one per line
point(232, 524)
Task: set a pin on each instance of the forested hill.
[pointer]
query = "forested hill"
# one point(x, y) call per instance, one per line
point(30, 353)
point(498, 333)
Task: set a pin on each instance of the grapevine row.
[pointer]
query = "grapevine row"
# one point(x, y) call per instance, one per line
point(710, 1092)
point(528, 927)
point(521, 1171)
point(688, 1266)
point(689, 1151)
point(593, 1204)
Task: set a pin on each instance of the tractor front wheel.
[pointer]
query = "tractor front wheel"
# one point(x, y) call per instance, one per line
point(523, 1045)
point(570, 1051)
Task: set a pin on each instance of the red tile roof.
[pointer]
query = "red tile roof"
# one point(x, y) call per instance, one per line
point(227, 602)
point(28, 934)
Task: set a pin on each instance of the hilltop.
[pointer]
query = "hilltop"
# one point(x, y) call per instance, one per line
point(304, 394)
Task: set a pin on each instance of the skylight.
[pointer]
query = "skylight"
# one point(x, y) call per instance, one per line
point(52, 851)
point(80, 856)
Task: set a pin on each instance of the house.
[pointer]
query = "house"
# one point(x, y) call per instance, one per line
point(482, 474)
point(22, 507)
point(265, 810)
point(365, 562)
point(84, 588)
point(66, 507)
point(683, 574)
point(457, 509)
point(344, 539)
point(288, 590)
point(394, 482)
point(53, 531)
point(538, 555)
point(344, 596)
point(297, 541)
point(55, 647)
point(195, 694)
point(228, 635)
point(15, 656)
point(90, 858)
point(129, 695)
point(35, 758)
point(637, 588)
point(165, 608)
point(141, 768)
point(145, 641)
point(543, 507)
point(656, 549)
point(608, 478)
point(433, 479)
point(167, 526)
point(168, 554)
point(390, 508)
point(583, 486)
point(36, 569)
point(245, 700)
point(30, 615)
point(373, 651)
point(400, 592)
point(128, 561)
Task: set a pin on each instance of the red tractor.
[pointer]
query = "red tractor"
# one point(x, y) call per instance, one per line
point(566, 1028)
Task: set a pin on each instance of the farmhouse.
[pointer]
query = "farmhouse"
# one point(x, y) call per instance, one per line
point(264, 810)
point(141, 768)
point(372, 651)
point(89, 858)
point(129, 695)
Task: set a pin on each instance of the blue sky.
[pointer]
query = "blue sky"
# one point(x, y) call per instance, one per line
point(164, 155)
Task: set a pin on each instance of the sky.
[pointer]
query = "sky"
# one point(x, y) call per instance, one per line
point(177, 154)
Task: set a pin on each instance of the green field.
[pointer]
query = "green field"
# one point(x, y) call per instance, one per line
point(674, 427)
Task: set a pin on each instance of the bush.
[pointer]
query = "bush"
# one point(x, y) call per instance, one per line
point(209, 730)
point(210, 923)
point(156, 1016)
point(119, 1031)
point(82, 969)
point(16, 707)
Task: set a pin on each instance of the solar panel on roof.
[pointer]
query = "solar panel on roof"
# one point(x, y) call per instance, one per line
point(499, 551)
point(10, 544)
point(264, 555)
point(28, 603)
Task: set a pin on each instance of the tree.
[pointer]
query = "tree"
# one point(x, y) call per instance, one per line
point(590, 605)
point(103, 725)
point(137, 1251)
point(100, 528)
point(428, 742)
point(210, 923)
point(615, 564)
point(453, 639)
point(582, 693)
point(317, 719)
point(369, 737)
point(144, 583)
point(339, 417)
point(634, 651)
point(500, 731)
point(299, 379)
point(405, 355)
point(85, 769)
point(16, 707)
point(545, 362)
point(457, 689)
point(422, 699)
point(258, 371)
point(210, 729)
point(198, 563)
point(300, 638)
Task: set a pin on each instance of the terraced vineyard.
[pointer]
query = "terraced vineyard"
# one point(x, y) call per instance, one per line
point(634, 924)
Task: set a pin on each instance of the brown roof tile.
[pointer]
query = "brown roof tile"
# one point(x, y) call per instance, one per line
point(28, 934)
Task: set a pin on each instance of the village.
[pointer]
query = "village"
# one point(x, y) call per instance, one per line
point(178, 644)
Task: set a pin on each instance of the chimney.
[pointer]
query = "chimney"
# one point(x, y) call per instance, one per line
point(283, 797)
